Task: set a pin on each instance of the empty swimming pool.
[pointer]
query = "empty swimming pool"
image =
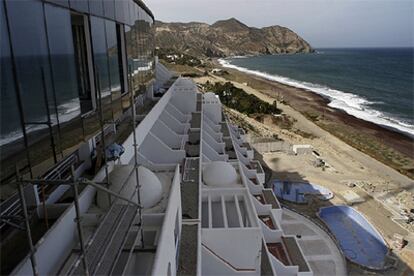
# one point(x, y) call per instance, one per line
point(359, 240)
point(297, 191)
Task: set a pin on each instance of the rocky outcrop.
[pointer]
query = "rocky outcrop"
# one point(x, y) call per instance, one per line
point(228, 38)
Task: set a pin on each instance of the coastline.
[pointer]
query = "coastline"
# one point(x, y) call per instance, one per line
point(391, 147)
point(352, 104)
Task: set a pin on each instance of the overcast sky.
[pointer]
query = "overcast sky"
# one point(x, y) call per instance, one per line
point(323, 23)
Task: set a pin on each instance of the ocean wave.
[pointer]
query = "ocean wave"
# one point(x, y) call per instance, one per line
point(350, 103)
point(67, 111)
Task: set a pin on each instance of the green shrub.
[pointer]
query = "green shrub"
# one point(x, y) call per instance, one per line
point(241, 101)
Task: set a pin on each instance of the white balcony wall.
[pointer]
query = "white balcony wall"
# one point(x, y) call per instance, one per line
point(218, 147)
point(167, 242)
point(173, 123)
point(158, 152)
point(245, 255)
point(214, 126)
point(144, 128)
point(169, 137)
point(240, 149)
point(281, 269)
point(183, 118)
point(212, 154)
point(248, 172)
point(213, 111)
point(206, 159)
point(213, 265)
point(215, 134)
point(261, 208)
point(268, 233)
point(143, 160)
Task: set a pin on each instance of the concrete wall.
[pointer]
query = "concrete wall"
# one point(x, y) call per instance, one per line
point(168, 242)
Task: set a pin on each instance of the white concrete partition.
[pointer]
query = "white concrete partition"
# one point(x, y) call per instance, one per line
point(260, 207)
point(144, 128)
point(254, 189)
point(168, 242)
point(211, 154)
point(169, 137)
point(158, 152)
point(217, 146)
point(248, 172)
point(280, 268)
point(143, 160)
point(269, 233)
point(216, 127)
point(217, 135)
point(173, 123)
point(241, 150)
point(183, 118)
point(277, 213)
point(239, 257)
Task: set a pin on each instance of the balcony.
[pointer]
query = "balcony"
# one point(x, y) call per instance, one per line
point(287, 252)
point(266, 219)
point(270, 198)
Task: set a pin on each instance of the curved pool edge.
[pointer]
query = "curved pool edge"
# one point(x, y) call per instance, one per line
point(337, 240)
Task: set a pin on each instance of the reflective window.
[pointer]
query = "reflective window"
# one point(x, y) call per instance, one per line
point(64, 75)
point(83, 63)
point(109, 8)
point(60, 2)
point(29, 44)
point(101, 65)
point(115, 69)
point(96, 7)
point(119, 10)
point(11, 134)
point(80, 5)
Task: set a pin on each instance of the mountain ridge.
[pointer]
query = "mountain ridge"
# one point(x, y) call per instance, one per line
point(228, 37)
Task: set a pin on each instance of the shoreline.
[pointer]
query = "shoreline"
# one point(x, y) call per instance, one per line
point(392, 148)
point(336, 102)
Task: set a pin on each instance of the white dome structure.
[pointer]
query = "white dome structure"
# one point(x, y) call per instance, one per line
point(219, 174)
point(151, 187)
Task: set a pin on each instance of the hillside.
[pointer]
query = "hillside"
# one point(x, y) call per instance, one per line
point(228, 38)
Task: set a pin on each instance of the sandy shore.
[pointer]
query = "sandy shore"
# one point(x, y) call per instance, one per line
point(388, 146)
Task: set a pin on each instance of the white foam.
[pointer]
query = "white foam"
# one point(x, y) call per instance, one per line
point(350, 103)
point(67, 111)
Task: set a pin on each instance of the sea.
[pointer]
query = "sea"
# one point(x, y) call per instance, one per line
point(373, 84)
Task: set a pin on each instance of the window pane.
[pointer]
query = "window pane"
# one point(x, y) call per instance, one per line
point(114, 66)
point(28, 38)
point(109, 8)
point(80, 5)
point(96, 7)
point(101, 64)
point(64, 75)
point(11, 134)
point(119, 10)
point(60, 2)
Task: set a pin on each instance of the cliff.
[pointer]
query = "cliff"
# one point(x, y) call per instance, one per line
point(228, 38)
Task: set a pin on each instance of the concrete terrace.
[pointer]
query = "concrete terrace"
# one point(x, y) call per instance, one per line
point(319, 249)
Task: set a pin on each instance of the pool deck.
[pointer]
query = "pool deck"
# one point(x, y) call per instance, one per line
point(319, 249)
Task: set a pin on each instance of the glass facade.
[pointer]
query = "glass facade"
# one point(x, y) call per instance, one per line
point(62, 70)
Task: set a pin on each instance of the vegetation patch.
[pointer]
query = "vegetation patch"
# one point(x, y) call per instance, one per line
point(241, 101)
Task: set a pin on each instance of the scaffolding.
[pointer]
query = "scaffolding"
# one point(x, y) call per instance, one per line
point(100, 254)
